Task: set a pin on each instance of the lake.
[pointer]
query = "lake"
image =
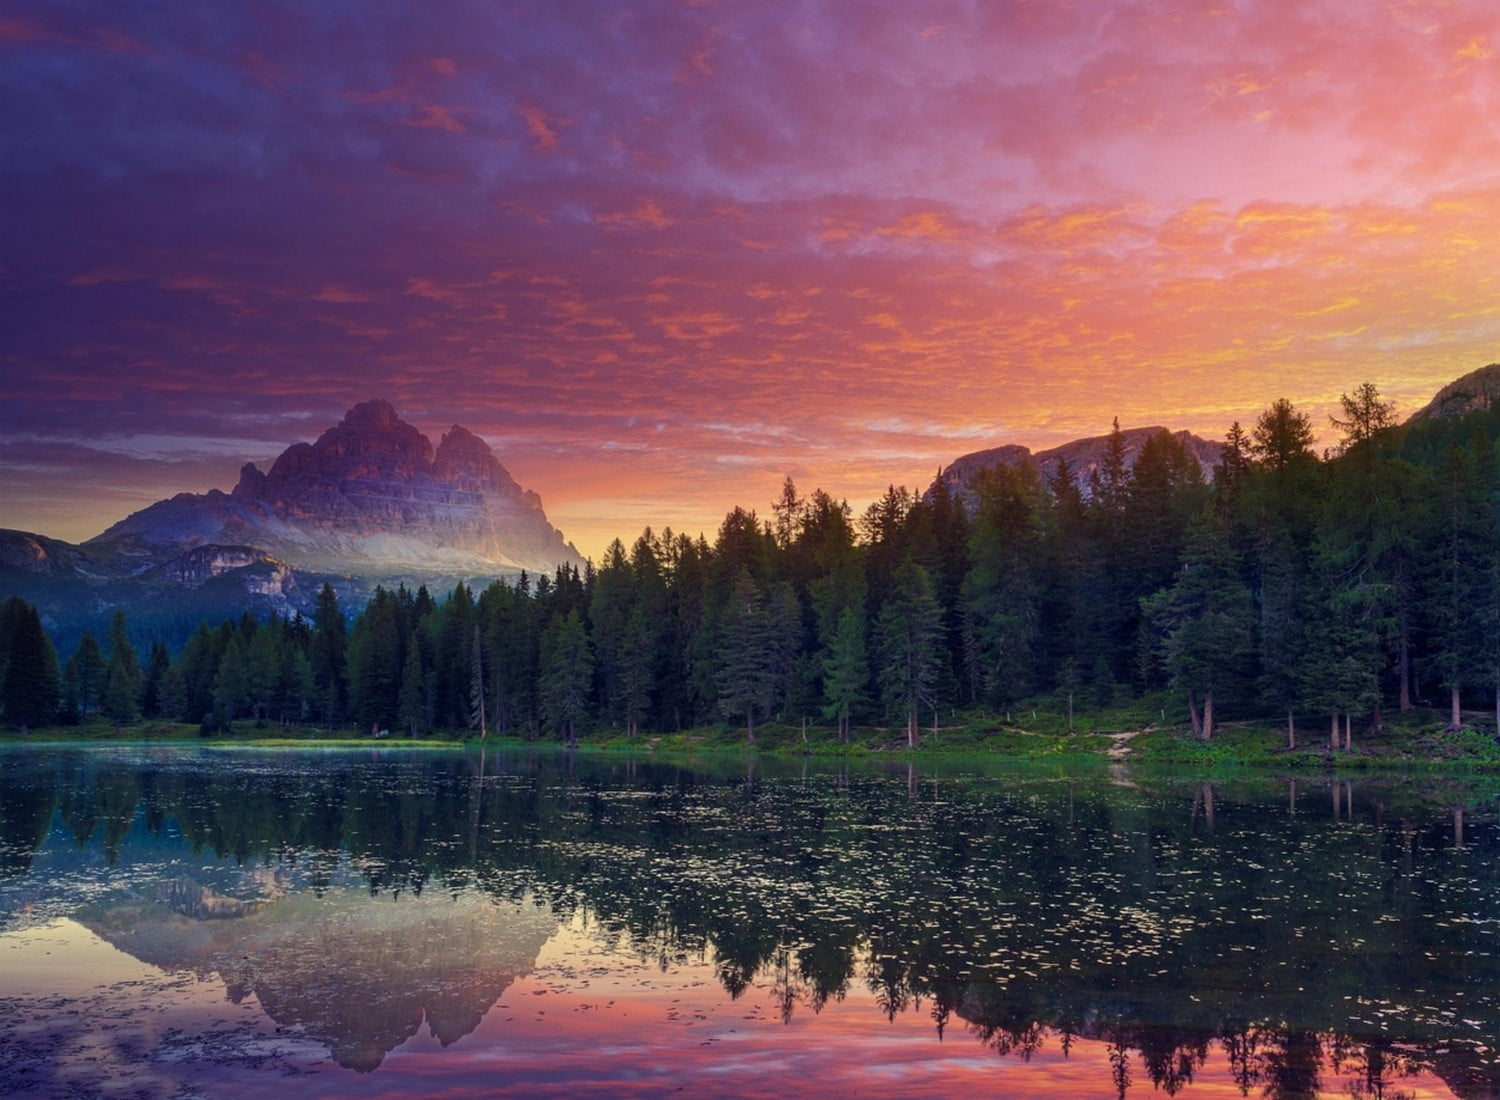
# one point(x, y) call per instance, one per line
point(202, 922)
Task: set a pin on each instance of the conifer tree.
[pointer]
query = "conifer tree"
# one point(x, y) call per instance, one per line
point(747, 669)
point(329, 655)
point(846, 670)
point(122, 678)
point(90, 672)
point(157, 663)
point(908, 639)
point(1205, 620)
point(30, 690)
point(477, 717)
point(412, 706)
point(568, 674)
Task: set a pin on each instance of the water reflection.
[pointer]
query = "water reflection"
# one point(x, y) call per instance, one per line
point(1287, 938)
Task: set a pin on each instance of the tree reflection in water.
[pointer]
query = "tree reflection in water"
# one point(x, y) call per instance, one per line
point(1348, 937)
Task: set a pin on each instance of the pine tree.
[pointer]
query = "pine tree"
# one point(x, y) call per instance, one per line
point(1205, 620)
point(122, 678)
point(1459, 570)
point(637, 671)
point(329, 655)
point(30, 690)
point(90, 669)
point(477, 717)
point(908, 639)
point(120, 688)
point(412, 705)
point(568, 674)
point(157, 663)
point(846, 670)
point(232, 683)
point(747, 668)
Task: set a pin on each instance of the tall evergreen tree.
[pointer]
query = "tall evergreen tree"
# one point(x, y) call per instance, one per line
point(412, 704)
point(1459, 570)
point(157, 663)
point(30, 689)
point(1205, 620)
point(567, 674)
point(329, 656)
point(89, 672)
point(846, 670)
point(747, 656)
point(908, 639)
point(478, 719)
point(122, 677)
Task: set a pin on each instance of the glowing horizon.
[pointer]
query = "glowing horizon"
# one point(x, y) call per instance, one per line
point(661, 257)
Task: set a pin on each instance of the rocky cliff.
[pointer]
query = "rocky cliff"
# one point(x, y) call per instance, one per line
point(1083, 457)
point(370, 495)
point(1476, 390)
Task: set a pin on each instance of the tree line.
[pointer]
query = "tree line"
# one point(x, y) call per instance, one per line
point(1322, 588)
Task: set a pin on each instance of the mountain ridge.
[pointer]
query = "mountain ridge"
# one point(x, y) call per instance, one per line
point(370, 494)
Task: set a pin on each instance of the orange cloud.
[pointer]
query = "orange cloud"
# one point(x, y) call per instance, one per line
point(434, 116)
point(542, 127)
point(646, 214)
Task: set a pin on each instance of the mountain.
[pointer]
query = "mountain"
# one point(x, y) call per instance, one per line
point(371, 497)
point(1083, 457)
point(358, 975)
point(1476, 390)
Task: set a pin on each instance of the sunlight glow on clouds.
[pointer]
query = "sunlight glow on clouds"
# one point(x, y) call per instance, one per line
point(866, 238)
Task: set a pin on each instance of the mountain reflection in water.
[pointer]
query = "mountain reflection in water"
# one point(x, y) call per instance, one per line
point(1281, 938)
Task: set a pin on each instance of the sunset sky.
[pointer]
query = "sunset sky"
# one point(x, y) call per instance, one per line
point(660, 255)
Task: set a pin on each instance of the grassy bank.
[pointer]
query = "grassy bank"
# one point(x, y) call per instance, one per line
point(1137, 731)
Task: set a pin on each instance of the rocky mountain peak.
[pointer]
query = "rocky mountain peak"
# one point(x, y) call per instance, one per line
point(1082, 456)
point(375, 416)
point(369, 492)
point(1475, 390)
point(466, 462)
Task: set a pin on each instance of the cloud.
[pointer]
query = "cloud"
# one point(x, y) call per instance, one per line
point(1004, 223)
point(542, 126)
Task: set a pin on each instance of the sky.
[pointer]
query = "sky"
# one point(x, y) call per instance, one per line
point(663, 255)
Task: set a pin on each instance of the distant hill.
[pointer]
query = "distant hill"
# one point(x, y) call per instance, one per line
point(1477, 390)
point(1083, 457)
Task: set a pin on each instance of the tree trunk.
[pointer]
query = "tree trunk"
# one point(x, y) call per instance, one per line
point(1455, 720)
point(1291, 730)
point(750, 726)
point(911, 728)
point(1208, 720)
point(1070, 711)
point(1348, 732)
point(1193, 714)
point(1333, 736)
point(1403, 666)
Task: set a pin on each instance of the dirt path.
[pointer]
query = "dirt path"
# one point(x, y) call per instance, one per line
point(1119, 747)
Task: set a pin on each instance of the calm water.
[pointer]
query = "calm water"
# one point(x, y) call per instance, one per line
point(182, 923)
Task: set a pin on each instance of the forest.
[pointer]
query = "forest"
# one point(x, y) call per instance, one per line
point(1314, 590)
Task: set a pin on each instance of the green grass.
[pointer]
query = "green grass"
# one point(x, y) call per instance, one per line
point(1140, 731)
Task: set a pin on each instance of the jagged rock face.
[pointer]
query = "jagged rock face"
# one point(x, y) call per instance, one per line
point(370, 491)
point(258, 573)
point(1475, 390)
point(1083, 457)
point(39, 554)
point(358, 974)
